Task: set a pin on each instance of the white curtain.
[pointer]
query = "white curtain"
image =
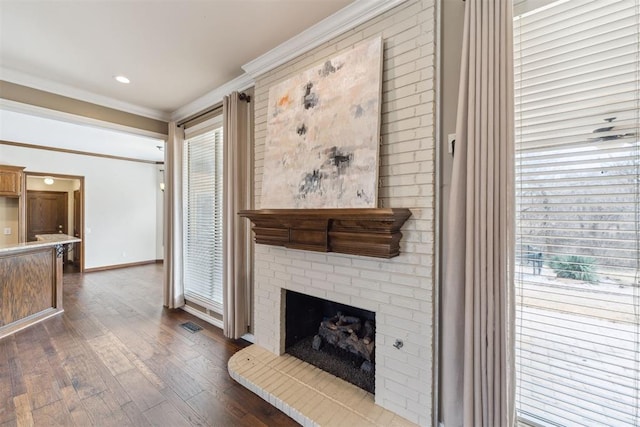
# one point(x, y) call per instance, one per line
point(477, 382)
point(173, 284)
point(238, 170)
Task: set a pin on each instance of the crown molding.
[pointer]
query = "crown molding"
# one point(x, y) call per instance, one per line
point(340, 22)
point(242, 82)
point(24, 79)
point(344, 20)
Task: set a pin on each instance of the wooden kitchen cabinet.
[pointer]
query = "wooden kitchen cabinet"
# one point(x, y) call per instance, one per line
point(11, 178)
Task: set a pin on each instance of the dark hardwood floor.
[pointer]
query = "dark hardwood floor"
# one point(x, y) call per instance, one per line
point(116, 357)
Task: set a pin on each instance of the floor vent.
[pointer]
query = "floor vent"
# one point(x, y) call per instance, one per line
point(191, 327)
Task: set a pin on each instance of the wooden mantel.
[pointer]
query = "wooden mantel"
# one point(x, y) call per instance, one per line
point(368, 232)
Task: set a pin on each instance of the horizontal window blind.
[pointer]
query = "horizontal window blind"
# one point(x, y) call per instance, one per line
point(203, 258)
point(577, 233)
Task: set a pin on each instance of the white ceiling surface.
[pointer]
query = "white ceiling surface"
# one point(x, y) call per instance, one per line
point(36, 130)
point(173, 51)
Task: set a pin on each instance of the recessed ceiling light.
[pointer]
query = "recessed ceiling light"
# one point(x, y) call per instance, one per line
point(48, 180)
point(122, 79)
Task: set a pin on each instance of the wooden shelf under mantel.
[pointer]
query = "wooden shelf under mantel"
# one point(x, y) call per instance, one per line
point(368, 232)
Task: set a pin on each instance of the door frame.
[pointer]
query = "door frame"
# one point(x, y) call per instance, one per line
point(23, 202)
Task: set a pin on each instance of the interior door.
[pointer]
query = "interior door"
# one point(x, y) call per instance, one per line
point(77, 225)
point(47, 213)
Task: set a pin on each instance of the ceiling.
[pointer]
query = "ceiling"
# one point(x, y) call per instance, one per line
point(174, 52)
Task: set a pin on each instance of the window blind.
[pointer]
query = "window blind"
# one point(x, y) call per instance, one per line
point(203, 258)
point(577, 86)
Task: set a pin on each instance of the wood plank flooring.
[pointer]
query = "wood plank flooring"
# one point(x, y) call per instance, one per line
point(116, 357)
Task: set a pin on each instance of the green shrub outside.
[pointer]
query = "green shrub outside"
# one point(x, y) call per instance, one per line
point(574, 267)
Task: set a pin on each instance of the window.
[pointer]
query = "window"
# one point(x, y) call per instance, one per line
point(577, 84)
point(203, 262)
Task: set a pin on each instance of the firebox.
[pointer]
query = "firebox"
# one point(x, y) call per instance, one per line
point(334, 337)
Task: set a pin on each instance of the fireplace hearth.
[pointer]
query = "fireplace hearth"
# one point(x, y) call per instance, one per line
point(334, 337)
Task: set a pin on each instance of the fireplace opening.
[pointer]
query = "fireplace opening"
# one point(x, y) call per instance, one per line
point(334, 337)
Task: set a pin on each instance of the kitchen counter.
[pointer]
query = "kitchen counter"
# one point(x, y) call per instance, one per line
point(31, 282)
point(60, 239)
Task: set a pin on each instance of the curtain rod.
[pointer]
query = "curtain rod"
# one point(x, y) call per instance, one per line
point(242, 96)
point(200, 114)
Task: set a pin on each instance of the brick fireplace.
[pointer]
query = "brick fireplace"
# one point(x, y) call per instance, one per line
point(398, 290)
point(387, 288)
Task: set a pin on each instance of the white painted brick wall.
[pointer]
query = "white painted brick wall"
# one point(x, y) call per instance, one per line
point(399, 290)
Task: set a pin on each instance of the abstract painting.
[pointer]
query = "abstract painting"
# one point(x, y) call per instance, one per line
point(323, 131)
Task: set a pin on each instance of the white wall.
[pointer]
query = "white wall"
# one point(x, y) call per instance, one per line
point(120, 202)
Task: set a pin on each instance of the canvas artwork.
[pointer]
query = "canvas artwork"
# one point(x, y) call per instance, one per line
point(323, 130)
